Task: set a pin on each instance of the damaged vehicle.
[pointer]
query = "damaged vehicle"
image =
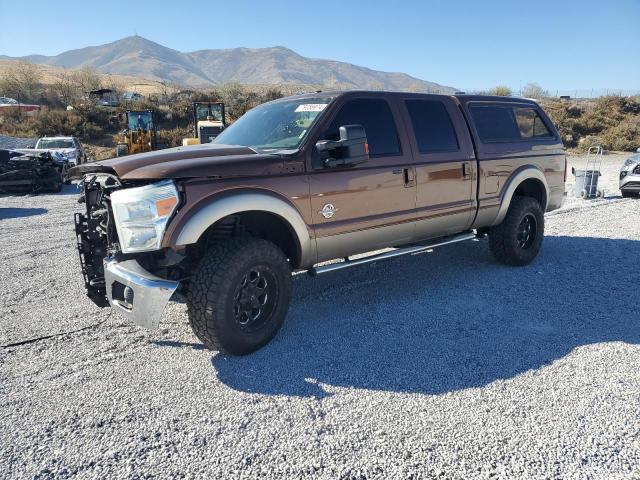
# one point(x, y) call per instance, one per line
point(32, 171)
point(303, 180)
point(69, 147)
point(630, 176)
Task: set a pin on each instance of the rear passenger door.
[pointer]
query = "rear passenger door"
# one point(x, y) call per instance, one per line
point(370, 205)
point(445, 165)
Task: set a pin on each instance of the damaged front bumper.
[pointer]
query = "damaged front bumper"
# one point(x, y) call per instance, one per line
point(135, 293)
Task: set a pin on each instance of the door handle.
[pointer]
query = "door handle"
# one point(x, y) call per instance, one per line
point(409, 177)
point(466, 170)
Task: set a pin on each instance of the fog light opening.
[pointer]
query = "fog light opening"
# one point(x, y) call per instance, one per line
point(128, 297)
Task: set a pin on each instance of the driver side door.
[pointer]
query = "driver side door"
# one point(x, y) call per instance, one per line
point(371, 205)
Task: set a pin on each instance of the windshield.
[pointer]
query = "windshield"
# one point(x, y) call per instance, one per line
point(140, 120)
point(209, 110)
point(55, 143)
point(280, 125)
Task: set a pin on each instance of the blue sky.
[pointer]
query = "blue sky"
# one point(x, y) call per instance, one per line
point(562, 45)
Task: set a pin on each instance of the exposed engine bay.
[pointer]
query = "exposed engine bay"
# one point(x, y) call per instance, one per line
point(97, 238)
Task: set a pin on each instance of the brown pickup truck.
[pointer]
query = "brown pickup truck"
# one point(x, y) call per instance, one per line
point(303, 180)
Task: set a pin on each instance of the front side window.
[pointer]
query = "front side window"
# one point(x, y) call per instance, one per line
point(376, 118)
point(505, 123)
point(432, 126)
point(275, 126)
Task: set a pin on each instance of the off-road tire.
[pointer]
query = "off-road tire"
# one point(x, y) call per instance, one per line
point(213, 288)
point(627, 194)
point(504, 241)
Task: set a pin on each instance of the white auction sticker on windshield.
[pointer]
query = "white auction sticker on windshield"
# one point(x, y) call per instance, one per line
point(311, 107)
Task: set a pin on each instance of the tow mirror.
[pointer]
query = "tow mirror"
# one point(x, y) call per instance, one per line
point(351, 149)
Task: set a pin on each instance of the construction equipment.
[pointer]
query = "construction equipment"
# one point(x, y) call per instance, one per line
point(208, 122)
point(140, 134)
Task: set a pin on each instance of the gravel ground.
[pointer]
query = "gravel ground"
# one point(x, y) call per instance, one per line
point(443, 365)
point(15, 142)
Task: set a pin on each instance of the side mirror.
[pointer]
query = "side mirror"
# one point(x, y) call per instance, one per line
point(351, 149)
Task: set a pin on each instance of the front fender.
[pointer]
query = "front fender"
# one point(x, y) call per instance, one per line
point(524, 173)
point(234, 203)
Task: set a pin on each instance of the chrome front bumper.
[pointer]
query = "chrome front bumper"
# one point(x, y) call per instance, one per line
point(135, 293)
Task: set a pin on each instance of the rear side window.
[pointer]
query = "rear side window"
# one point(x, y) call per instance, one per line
point(376, 118)
point(530, 123)
point(432, 126)
point(504, 123)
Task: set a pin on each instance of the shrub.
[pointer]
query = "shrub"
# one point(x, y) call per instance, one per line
point(55, 122)
point(623, 136)
point(612, 122)
point(173, 137)
point(589, 141)
point(501, 91)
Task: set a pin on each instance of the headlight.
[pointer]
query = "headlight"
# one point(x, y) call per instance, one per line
point(141, 215)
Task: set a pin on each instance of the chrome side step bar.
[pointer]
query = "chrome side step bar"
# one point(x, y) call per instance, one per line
point(398, 252)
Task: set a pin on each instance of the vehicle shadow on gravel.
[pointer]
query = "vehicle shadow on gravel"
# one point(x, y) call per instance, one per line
point(452, 320)
point(6, 213)
point(71, 189)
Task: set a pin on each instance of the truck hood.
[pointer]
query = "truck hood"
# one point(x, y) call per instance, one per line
point(206, 160)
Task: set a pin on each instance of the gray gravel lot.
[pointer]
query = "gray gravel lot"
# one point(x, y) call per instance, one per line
point(441, 365)
point(16, 142)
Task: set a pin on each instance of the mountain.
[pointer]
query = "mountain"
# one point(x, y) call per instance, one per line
point(140, 57)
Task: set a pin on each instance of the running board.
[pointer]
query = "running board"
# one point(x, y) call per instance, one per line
point(398, 252)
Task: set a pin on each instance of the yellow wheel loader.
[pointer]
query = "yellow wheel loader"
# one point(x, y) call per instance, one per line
point(208, 122)
point(140, 134)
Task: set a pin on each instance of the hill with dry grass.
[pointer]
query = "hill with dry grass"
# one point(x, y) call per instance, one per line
point(138, 57)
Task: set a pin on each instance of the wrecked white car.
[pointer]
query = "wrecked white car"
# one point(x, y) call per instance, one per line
point(69, 147)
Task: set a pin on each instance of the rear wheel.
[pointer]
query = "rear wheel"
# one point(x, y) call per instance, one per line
point(517, 240)
point(627, 194)
point(239, 295)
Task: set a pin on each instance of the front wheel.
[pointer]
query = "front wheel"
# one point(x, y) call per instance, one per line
point(517, 240)
point(239, 295)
